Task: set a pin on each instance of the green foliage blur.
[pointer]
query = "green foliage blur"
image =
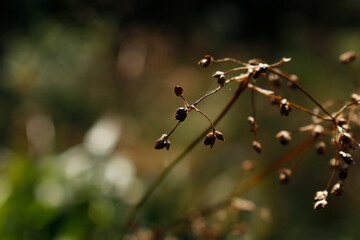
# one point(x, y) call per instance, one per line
point(86, 87)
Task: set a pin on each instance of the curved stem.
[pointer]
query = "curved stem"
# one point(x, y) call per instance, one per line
point(160, 178)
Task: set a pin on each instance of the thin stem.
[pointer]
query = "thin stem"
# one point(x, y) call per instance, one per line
point(230, 60)
point(199, 111)
point(129, 224)
point(345, 107)
point(337, 163)
point(208, 94)
point(173, 129)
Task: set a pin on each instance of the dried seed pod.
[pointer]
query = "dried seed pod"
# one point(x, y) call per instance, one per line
point(347, 157)
point(338, 189)
point(320, 148)
point(221, 80)
point(284, 137)
point(210, 139)
point(347, 57)
point(162, 142)
point(320, 199)
point(346, 141)
point(219, 135)
point(295, 79)
point(257, 146)
point(285, 108)
point(263, 67)
point(206, 61)
point(181, 114)
point(317, 131)
point(178, 91)
point(343, 171)
point(218, 74)
point(284, 175)
point(254, 126)
point(275, 80)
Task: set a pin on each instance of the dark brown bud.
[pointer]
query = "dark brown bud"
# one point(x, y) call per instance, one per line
point(219, 136)
point(343, 171)
point(210, 139)
point(295, 79)
point(341, 121)
point(221, 80)
point(206, 61)
point(284, 175)
point(263, 67)
point(317, 131)
point(347, 57)
point(338, 189)
point(257, 146)
point(162, 142)
point(275, 80)
point(347, 157)
point(284, 137)
point(346, 141)
point(320, 148)
point(181, 114)
point(256, 72)
point(178, 91)
point(285, 108)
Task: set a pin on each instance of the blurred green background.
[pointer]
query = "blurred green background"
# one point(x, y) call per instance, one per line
point(86, 87)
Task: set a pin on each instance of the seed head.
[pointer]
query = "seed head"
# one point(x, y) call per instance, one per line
point(206, 61)
point(285, 108)
point(219, 136)
point(221, 80)
point(257, 146)
point(347, 157)
point(284, 175)
point(162, 142)
point(347, 57)
point(320, 148)
point(181, 114)
point(284, 137)
point(178, 91)
point(210, 139)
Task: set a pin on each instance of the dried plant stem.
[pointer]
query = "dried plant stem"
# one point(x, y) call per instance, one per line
point(129, 224)
point(248, 184)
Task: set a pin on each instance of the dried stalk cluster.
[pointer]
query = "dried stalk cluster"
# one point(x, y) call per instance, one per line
point(336, 126)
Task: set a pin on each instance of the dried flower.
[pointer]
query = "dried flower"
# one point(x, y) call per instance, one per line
point(320, 148)
point(284, 107)
point(162, 142)
point(284, 175)
point(221, 80)
point(338, 189)
point(320, 204)
point(257, 146)
point(320, 199)
point(284, 137)
point(317, 131)
point(218, 74)
point(181, 114)
point(347, 157)
point(219, 135)
point(178, 91)
point(210, 139)
point(206, 61)
point(254, 126)
point(347, 57)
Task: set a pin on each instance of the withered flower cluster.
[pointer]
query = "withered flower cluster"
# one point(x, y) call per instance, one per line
point(335, 126)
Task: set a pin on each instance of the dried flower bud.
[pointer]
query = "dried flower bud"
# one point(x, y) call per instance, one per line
point(341, 121)
point(251, 120)
point(355, 97)
point(178, 91)
point(347, 157)
point(181, 114)
point(275, 80)
point(295, 79)
point(338, 189)
point(343, 171)
point(257, 146)
point(284, 175)
point(284, 107)
point(206, 61)
point(218, 74)
point(263, 67)
point(347, 57)
point(346, 141)
point(254, 126)
point(284, 137)
point(317, 131)
point(221, 80)
point(219, 136)
point(320, 204)
point(320, 199)
point(162, 142)
point(320, 148)
point(210, 139)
